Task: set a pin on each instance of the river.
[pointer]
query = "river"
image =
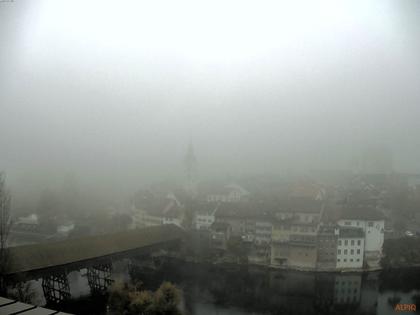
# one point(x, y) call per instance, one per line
point(241, 290)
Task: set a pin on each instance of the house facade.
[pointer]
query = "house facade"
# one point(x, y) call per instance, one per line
point(327, 247)
point(372, 223)
point(204, 216)
point(350, 248)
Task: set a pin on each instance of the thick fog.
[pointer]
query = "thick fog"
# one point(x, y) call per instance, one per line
point(109, 93)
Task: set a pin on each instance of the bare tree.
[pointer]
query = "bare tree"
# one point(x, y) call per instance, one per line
point(5, 224)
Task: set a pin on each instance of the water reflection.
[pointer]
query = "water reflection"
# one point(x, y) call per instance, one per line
point(210, 289)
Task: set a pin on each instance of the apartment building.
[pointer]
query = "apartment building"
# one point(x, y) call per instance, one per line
point(371, 221)
point(350, 248)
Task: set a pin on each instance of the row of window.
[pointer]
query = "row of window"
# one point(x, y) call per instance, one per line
point(349, 290)
point(204, 220)
point(337, 283)
point(346, 251)
point(352, 242)
point(370, 223)
point(297, 229)
point(345, 259)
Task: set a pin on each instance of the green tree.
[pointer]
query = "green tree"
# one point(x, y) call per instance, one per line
point(166, 300)
point(119, 298)
point(141, 302)
point(131, 300)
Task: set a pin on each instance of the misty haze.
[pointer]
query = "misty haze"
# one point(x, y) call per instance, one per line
point(209, 157)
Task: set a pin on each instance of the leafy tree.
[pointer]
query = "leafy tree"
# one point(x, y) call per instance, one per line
point(141, 302)
point(166, 299)
point(119, 298)
point(131, 300)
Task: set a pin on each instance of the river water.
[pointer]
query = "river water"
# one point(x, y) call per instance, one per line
point(241, 290)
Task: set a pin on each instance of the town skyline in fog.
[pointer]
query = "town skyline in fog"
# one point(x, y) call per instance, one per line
point(114, 100)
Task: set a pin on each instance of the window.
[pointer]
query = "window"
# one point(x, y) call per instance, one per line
point(345, 252)
point(352, 242)
point(370, 223)
point(345, 260)
point(339, 252)
point(339, 242)
point(347, 223)
point(338, 260)
point(346, 242)
point(357, 259)
point(351, 259)
point(352, 252)
point(359, 242)
point(358, 251)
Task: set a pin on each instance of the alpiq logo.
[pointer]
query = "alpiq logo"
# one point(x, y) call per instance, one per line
point(401, 307)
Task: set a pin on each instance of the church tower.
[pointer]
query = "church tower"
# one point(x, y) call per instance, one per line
point(190, 163)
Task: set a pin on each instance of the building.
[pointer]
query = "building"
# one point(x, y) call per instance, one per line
point(220, 234)
point(151, 210)
point(204, 215)
point(294, 233)
point(305, 210)
point(226, 193)
point(248, 220)
point(327, 247)
point(173, 215)
point(350, 248)
point(371, 221)
point(236, 215)
point(263, 230)
point(295, 254)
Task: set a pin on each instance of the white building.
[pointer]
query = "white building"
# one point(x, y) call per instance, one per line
point(227, 193)
point(204, 216)
point(161, 211)
point(350, 248)
point(372, 223)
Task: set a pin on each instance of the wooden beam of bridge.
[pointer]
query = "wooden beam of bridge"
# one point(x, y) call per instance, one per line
point(35, 257)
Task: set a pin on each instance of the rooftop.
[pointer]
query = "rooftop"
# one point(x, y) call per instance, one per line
point(243, 210)
point(40, 256)
point(219, 226)
point(361, 213)
point(351, 233)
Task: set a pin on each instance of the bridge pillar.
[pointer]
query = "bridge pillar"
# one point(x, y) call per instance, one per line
point(56, 288)
point(99, 277)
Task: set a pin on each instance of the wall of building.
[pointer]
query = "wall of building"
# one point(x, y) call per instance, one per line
point(203, 220)
point(327, 251)
point(350, 253)
point(374, 231)
point(279, 254)
point(374, 239)
point(302, 256)
point(263, 232)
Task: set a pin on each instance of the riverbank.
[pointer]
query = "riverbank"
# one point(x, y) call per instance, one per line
point(222, 263)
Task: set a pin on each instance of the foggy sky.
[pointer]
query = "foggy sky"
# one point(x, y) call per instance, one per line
point(112, 92)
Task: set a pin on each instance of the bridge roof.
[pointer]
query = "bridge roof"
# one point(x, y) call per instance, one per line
point(45, 255)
